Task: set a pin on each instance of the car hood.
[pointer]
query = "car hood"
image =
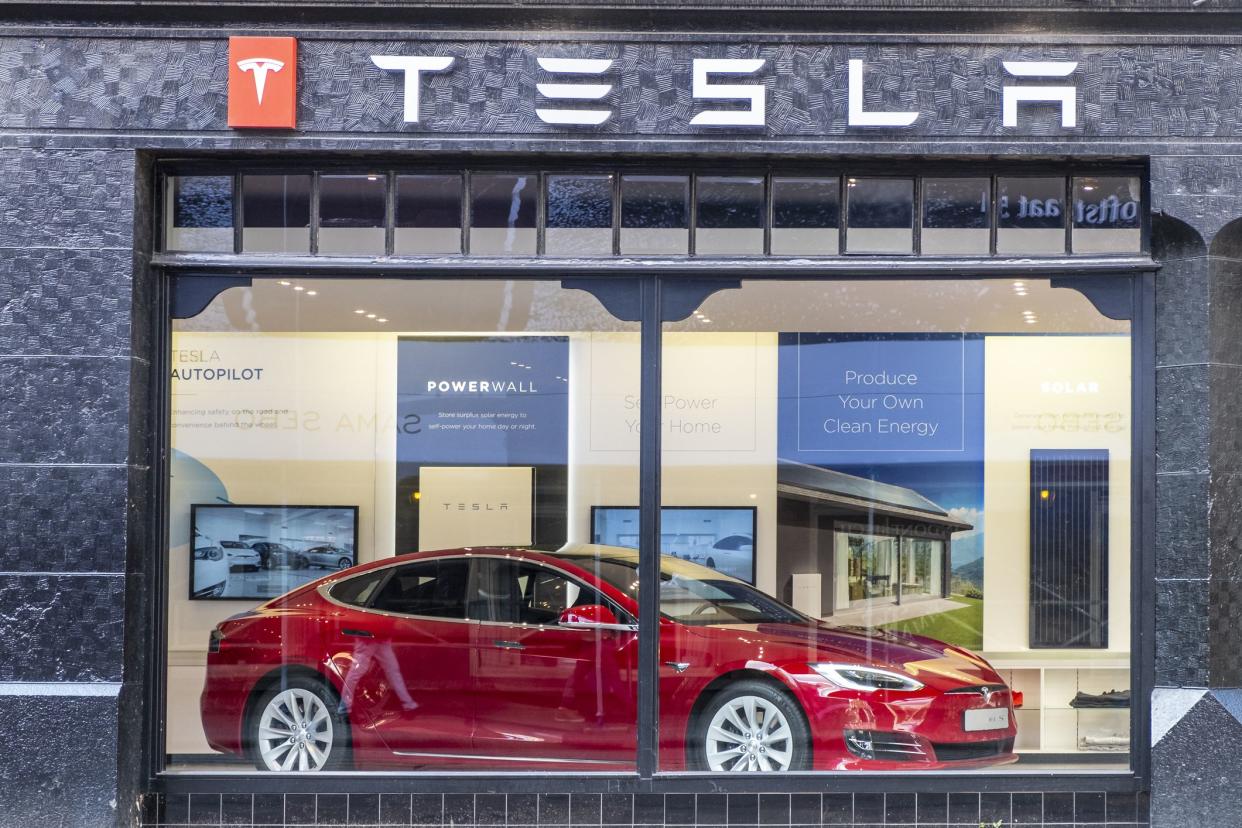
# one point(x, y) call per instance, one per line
point(936, 664)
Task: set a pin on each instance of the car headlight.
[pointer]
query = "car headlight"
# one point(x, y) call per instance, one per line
point(857, 677)
point(208, 553)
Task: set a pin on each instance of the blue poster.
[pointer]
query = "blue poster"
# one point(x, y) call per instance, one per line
point(497, 401)
point(902, 409)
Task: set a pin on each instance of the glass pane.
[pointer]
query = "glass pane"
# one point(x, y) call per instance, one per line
point(847, 463)
point(1031, 215)
point(805, 215)
point(655, 214)
point(1107, 215)
point(579, 219)
point(428, 215)
point(502, 215)
point(455, 437)
point(881, 215)
point(956, 216)
point(729, 218)
point(276, 213)
point(198, 214)
point(351, 214)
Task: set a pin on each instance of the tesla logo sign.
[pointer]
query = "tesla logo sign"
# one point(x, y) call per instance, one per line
point(263, 82)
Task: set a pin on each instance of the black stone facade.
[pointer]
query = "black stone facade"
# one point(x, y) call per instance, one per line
point(85, 112)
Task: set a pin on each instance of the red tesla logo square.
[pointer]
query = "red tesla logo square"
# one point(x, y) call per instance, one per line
point(263, 82)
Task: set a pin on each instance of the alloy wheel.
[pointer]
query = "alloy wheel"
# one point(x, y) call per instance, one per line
point(749, 733)
point(295, 732)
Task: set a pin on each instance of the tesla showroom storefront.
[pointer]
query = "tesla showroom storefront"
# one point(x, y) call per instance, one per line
point(607, 421)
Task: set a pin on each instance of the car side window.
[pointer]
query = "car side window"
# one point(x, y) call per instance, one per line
point(358, 591)
point(519, 592)
point(434, 589)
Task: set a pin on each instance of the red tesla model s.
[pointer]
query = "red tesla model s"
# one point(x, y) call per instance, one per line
point(513, 658)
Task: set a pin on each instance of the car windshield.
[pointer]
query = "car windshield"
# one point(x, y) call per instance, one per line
point(688, 598)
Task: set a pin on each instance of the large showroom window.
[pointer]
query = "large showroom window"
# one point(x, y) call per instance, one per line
point(932, 480)
point(408, 511)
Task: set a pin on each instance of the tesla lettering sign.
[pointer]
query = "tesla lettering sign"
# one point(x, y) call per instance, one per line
point(263, 82)
point(739, 104)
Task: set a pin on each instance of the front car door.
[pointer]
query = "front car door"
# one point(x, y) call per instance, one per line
point(549, 694)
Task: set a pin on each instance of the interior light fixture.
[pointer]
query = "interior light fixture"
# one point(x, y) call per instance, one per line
point(360, 310)
point(298, 287)
point(312, 293)
point(381, 320)
point(370, 316)
point(283, 282)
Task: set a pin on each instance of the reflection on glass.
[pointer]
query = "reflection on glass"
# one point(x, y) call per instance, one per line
point(881, 215)
point(199, 214)
point(955, 216)
point(805, 216)
point(502, 214)
point(1107, 214)
point(579, 221)
point(924, 458)
point(455, 424)
point(655, 214)
point(428, 215)
point(351, 214)
point(276, 213)
point(1030, 215)
point(729, 216)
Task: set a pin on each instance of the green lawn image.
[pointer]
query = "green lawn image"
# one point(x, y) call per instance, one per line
point(963, 627)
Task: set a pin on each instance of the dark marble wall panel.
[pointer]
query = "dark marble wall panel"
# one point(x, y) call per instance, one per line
point(66, 198)
point(1182, 525)
point(61, 628)
point(144, 84)
point(1183, 430)
point(1182, 648)
point(58, 761)
point(64, 409)
point(65, 302)
point(1196, 767)
point(63, 518)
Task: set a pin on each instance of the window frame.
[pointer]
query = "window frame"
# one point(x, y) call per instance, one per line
point(1131, 275)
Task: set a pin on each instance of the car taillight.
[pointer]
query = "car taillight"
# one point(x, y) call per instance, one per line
point(1016, 695)
point(213, 641)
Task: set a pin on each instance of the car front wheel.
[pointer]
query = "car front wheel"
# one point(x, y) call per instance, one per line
point(298, 727)
point(751, 726)
point(344, 563)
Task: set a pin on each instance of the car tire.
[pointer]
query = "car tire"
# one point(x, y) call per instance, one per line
point(301, 563)
point(750, 725)
point(322, 745)
point(344, 563)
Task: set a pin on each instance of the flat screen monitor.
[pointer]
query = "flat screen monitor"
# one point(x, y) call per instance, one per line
point(718, 537)
point(248, 552)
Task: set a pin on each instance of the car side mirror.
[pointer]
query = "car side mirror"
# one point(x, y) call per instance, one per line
point(591, 617)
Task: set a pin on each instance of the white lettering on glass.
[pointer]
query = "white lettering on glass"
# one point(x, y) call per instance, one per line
point(413, 67)
point(756, 115)
point(1067, 96)
point(574, 91)
point(859, 117)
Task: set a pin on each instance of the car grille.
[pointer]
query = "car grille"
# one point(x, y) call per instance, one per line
point(878, 744)
point(963, 751)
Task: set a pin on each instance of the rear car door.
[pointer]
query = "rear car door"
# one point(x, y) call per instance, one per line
point(409, 672)
point(548, 693)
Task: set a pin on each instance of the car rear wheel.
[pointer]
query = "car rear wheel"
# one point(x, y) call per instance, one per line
point(297, 726)
point(751, 726)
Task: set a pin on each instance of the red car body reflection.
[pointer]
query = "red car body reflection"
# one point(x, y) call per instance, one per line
point(461, 692)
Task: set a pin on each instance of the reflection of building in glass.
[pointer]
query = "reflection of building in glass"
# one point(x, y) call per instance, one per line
point(870, 543)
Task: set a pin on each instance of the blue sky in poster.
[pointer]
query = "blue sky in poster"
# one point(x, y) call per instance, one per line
point(497, 401)
point(898, 408)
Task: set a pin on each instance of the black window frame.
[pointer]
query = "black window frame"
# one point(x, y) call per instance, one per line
point(652, 295)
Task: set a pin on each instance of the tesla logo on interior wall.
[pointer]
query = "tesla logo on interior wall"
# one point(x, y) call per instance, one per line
point(263, 82)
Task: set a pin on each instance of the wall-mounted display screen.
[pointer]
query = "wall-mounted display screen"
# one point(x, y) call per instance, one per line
point(718, 537)
point(248, 552)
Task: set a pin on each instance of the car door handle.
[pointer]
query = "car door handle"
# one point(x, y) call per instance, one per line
point(356, 633)
point(510, 645)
